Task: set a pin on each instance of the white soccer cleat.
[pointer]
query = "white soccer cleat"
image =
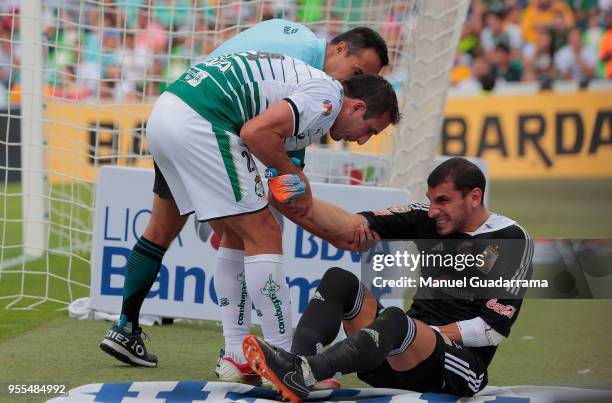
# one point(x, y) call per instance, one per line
point(228, 370)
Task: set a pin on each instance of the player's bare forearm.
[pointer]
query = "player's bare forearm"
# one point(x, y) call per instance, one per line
point(265, 134)
point(270, 152)
point(328, 222)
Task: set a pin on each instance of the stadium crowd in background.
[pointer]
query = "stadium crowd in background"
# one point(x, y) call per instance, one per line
point(534, 41)
point(129, 49)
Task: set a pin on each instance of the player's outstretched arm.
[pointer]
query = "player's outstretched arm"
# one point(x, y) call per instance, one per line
point(327, 221)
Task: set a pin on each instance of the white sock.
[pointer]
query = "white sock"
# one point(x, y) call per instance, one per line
point(234, 301)
point(268, 289)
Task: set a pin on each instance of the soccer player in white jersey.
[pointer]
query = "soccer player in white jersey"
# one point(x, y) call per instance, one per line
point(201, 134)
point(359, 50)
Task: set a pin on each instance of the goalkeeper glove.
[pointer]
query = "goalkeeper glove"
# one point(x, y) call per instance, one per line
point(285, 187)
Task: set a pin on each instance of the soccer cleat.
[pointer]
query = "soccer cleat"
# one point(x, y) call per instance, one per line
point(325, 384)
point(128, 347)
point(284, 369)
point(228, 370)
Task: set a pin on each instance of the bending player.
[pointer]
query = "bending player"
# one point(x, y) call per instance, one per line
point(201, 133)
point(360, 50)
point(440, 345)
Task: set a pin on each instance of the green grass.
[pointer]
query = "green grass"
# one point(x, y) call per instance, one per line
point(576, 208)
point(66, 259)
point(551, 342)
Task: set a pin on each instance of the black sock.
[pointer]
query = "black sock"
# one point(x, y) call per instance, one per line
point(334, 299)
point(141, 271)
point(391, 333)
point(318, 325)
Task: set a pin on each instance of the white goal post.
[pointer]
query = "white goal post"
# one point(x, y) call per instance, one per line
point(78, 78)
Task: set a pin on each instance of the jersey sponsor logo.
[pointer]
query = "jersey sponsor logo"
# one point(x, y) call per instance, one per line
point(289, 30)
point(223, 302)
point(503, 310)
point(328, 107)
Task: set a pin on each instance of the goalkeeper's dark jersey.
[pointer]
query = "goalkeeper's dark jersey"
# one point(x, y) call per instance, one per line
point(412, 222)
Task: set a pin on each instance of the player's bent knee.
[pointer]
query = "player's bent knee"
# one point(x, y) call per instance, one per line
point(394, 319)
point(398, 329)
point(342, 286)
point(259, 232)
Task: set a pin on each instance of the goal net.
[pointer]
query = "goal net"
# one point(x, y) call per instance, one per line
point(78, 78)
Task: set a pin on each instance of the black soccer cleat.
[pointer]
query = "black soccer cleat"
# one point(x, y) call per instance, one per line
point(284, 369)
point(128, 347)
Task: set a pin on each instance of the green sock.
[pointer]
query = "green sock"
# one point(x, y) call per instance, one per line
point(142, 267)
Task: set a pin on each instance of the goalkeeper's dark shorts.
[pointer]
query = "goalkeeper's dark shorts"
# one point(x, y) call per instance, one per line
point(451, 368)
point(160, 186)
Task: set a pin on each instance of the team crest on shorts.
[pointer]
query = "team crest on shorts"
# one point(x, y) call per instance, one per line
point(328, 107)
point(259, 188)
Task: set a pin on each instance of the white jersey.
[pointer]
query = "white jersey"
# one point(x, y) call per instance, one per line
point(232, 89)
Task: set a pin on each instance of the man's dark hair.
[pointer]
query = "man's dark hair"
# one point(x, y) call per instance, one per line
point(465, 175)
point(361, 38)
point(376, 92)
